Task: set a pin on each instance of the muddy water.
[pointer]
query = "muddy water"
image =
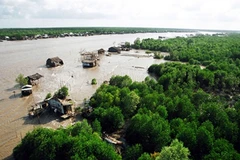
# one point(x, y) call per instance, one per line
point(29, 57)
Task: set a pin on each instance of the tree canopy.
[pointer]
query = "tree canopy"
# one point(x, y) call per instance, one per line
point(75, 142)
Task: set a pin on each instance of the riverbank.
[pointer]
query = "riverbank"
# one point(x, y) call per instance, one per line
point(14, 34)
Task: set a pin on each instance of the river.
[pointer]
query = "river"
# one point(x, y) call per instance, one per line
point(29, 57)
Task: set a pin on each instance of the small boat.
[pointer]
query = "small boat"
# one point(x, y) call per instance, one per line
point(112, 140)
point(37, 109)
point(26, 90)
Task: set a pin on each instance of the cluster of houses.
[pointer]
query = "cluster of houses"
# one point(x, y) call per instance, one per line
point(63, 107)
point(44, 36)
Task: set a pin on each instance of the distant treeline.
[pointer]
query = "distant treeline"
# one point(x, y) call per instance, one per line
point(31, 33)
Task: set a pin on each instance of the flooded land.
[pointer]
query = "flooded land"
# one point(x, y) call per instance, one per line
point(29, 57)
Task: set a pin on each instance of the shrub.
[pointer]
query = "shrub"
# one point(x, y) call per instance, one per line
point(62, 92)
point(49, 95)
point(158, 55)
point(148, 52)
point(21, 80)
point(94, 81)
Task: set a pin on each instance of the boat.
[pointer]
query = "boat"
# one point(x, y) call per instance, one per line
point(37, 109)
point(26, 90)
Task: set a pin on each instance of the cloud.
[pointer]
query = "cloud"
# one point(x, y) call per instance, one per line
point(157, 13)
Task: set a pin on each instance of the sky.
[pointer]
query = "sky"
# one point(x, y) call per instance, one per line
point(193, 14)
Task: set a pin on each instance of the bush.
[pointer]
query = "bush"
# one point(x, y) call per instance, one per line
point(62, 93)
point(127, 44)
point(148, 52)
point(21, 80)
point(158, 55)
point(94, 81)
point(49, 95)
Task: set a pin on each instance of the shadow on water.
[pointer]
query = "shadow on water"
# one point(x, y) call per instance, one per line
point(42, 66)
point(15, 95)
point(16, 87)
point(43, 118)
point(79, 66)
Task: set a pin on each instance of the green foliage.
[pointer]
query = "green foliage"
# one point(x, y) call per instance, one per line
point(49, 95)
point(110, 118)
point(75, 142)
point(137, 43)
point(120, 81)
point(196, 117)
point(127, 44)
point(96, 126)
point(21, 80)
point(222, 149)
point(205, 141)
point(145, 156)
point(162, 111)
point(133, 152)
point(148, 52)
point(150, 130)
point(158, 55)
point(94, 81)
point(21, 33)
point(175, 151)
point(129, 104)
point(62, 93)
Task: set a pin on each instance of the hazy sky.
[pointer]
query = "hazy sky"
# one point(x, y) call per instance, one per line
point(199, 14)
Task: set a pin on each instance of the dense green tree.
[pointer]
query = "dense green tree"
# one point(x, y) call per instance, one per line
point(175, 151)
point(76, 141)
point(133, 152)
point(145, 156)
point(205, 141)
point(96, 126)
point(129, 104)
point(121, 81)
point(110, 118)
point(150, 130)
point(222, 149)
point(162, 111)
point(137, 43)
point(188, 136)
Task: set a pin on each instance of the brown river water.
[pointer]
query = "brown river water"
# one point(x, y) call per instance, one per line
point(29, 57)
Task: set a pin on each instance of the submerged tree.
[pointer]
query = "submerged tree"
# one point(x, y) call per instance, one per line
point(62, 93)
point(94, 81)
point(21, 80)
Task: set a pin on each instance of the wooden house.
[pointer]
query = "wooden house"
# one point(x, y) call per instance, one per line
point(101, 51)
point(33, 79)
point(89, 59)
point(54, 62)
point(63, 107)
point(114, 49)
